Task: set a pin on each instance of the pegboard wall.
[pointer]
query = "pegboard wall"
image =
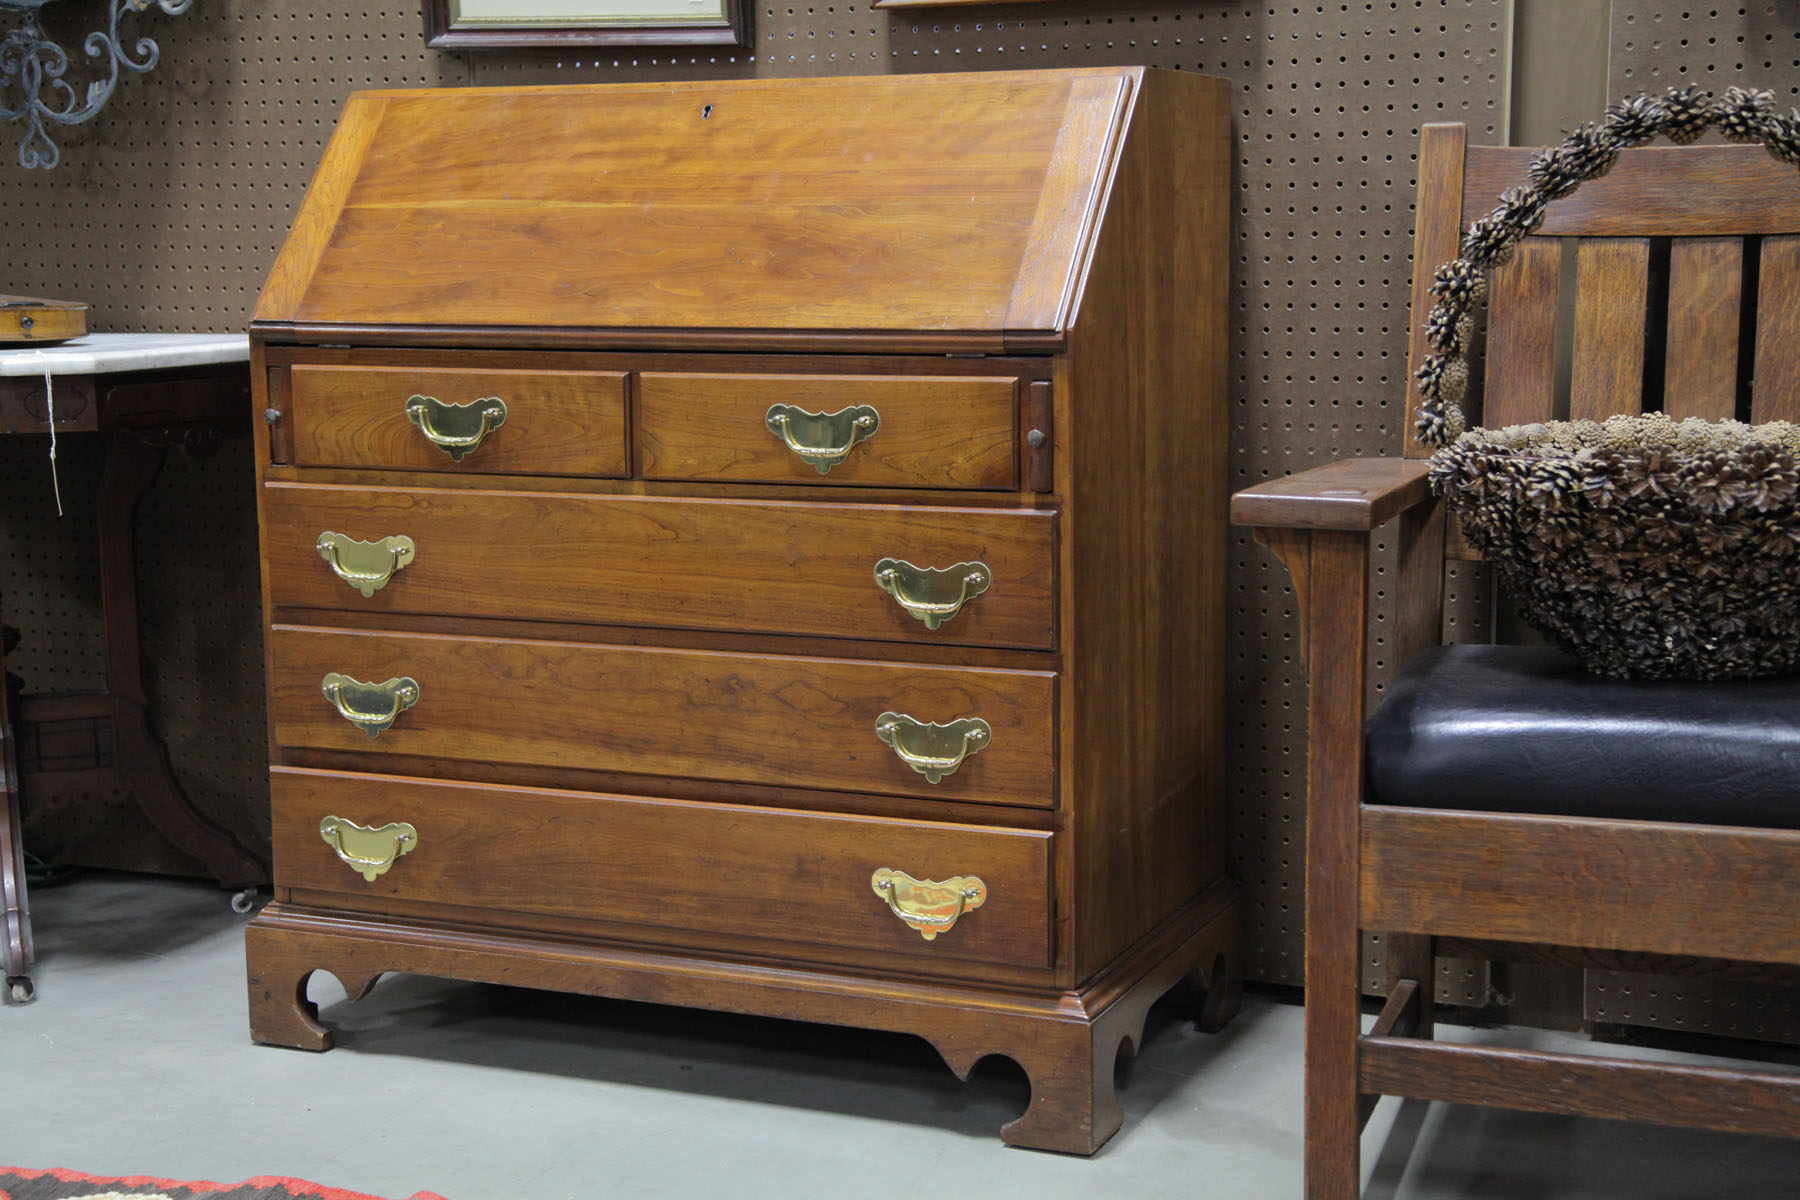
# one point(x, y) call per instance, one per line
point(168, 209)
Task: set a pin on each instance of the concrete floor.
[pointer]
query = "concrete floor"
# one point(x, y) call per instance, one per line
point(136, 1060)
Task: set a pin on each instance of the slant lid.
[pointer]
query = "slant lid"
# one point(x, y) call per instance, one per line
point(954, 203)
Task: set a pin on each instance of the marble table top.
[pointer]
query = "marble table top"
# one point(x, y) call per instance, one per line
point(104, 353)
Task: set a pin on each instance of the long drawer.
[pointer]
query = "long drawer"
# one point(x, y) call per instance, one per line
point(751, 566)
point(786, 721)
point(713, 869)
point(459, 420)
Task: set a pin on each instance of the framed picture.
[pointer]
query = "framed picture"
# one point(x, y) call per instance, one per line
point(509, 24)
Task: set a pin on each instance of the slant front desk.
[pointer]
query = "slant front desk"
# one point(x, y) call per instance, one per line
point(759, 546)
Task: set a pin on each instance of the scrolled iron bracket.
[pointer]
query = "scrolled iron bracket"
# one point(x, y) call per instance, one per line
point(32, 67)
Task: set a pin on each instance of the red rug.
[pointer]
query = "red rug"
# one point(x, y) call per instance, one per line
point(20, 1183)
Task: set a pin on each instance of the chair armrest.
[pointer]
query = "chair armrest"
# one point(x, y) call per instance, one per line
point(1350, 494)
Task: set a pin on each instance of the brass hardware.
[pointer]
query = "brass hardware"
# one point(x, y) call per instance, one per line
point(932, 594)
point(933, 750)
point(928, 905)
point(371, 707)
point(365, 566)
point(369, 852)
point(456, 429)
point(822, 439)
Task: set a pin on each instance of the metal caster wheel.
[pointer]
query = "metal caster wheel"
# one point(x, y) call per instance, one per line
point(21, 989)
point(244, 901)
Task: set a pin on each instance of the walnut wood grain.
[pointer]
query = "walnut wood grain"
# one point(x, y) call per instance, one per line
point(701, 205)
point(1352, 493)
point(1520, 384)
point(1706, 283)
point(1145, 488)
point(308, 236)
point(1606, 373)
point(1066, 1042)
point(1072, 226)
point(1437, 232)
point(699, 564)
point(1599, 883)
point(669, 864)
point(807, 722)
point(1057, 250)
point(1337, 574)
point(1724, 1099)
point(935, 431)
point(1653, 191)
point(1775, 392)
point(557, 422)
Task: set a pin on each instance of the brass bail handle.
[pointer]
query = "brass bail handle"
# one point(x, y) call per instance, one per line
point(456, 429)
point(930, 906)
point(932, 594)
point(371, 707)
point(933, 750)
point(822, 440)
point(368, 851)
point(365, 566)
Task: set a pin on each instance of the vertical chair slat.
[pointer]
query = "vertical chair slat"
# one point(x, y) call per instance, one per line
point(1612, 286)
point(1706, 283)
point(1521, 372)
point(1775, 391)
point(1437, 231)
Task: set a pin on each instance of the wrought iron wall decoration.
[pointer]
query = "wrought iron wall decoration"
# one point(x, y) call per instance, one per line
point(32, 87)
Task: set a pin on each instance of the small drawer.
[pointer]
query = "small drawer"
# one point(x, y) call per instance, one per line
point(674, 866)
point(485, 422)
point(742, 566)
point(738, 718)
point(891, 431)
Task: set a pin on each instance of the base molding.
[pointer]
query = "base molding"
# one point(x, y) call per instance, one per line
point(1066, 1041)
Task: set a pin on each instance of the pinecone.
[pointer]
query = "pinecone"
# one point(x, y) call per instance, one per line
point(1689, 112)
point(1521, 211)
point(1489, 243)
point(1447, 328)
point(1553, 173)
point(1636, 120)
point(1591, 150)
point(1461, 282)
point(1781, 135)
point(1437, 427)
point(1443, 378)
point(1742, 112)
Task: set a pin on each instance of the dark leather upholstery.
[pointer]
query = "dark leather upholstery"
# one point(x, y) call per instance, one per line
point(1523, 729)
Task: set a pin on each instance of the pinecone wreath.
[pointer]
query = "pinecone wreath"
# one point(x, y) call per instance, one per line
point(1649, 548)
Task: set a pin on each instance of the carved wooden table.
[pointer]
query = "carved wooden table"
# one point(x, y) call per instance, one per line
point(143, 392)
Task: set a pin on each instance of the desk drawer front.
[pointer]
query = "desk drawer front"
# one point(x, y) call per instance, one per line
point(763, 567)
point(662, 864)
point(797, 722)
point(928, 431)
point(555, 422)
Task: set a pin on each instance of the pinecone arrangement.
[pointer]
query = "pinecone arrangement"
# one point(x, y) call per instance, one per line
point(1650, 548)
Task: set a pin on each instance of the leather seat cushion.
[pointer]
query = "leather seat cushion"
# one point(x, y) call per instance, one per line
point(1524, 729)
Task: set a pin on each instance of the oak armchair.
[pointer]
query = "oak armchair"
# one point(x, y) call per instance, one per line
point(1504, 804)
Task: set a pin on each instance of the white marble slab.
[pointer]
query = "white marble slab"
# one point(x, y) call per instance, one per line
point(106, 353)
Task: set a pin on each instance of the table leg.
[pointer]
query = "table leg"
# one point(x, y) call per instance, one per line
point(142, 762)
point(15, 912)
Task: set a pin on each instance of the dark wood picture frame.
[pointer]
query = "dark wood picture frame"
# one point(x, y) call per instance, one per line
point(441, 32)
